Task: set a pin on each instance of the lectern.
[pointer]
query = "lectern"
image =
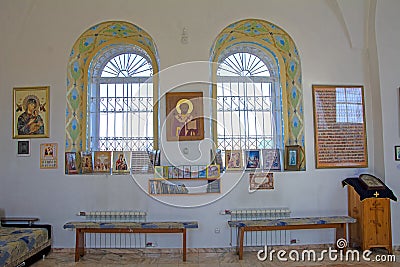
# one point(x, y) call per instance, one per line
point(371, 208)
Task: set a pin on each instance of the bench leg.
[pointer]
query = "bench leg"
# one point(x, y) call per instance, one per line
point(80, 244)
point(241, 240)
point(341, 233)
point(237, 240)
point(184, 244)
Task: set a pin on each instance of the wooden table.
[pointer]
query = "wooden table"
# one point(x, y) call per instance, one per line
point(337, 222)
point(127, 227)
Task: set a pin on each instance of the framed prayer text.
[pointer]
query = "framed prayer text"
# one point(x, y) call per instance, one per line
point(185, 121)
point(31, 112)
point(339, 126)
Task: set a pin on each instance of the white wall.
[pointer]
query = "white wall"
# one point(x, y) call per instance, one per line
point(388, 38)
point(37, 37)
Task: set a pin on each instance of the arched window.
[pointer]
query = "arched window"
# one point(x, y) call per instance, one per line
point(257, 86)
point(111, 88)
point(248, 100)
point(120, 114)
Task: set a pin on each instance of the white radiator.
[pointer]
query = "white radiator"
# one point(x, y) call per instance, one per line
point(261, 238)
point(109, 240)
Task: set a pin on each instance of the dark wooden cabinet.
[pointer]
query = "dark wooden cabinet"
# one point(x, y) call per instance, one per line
point(373, 226)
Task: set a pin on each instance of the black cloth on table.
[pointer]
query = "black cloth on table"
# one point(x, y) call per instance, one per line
point(364, 193)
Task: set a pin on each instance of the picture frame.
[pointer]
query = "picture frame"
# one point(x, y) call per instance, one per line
point(102, 161)
point(397, 153)
point(161, 172)
point(370, 182)
point(261, 181)
point(202, 171)
point(252, 159)
point(339, 115)
point(23, 148)
point(71, 163)
point(194, 171)
point(157, 161)
point(87, 161)
point(213, 171)
point(187, 173)
point(185, 121)
point(140, 162)
point(175, 172)
point(271, 160)
point(218, 159)
point(234, 160)
point(49, 156)
point(171, 171)
point(31, 112)
point(121, 162)
point(292, 158)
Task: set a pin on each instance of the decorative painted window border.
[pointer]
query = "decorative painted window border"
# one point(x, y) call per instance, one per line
point(85, 48)
point(273, 40)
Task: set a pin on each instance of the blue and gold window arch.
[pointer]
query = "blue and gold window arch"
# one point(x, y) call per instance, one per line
point(88, 45)
point(274, 41)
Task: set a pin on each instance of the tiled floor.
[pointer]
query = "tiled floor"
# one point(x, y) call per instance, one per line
point(195, 257)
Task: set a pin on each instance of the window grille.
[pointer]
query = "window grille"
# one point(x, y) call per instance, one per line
point(120, 100)
point(349, 108)
point(248, 101)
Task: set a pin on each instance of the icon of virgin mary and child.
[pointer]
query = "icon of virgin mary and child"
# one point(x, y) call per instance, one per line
point(184, 124)
point(30, 122)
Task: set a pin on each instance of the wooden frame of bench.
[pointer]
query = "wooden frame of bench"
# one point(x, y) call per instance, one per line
point(242, 227)
point(82, 228)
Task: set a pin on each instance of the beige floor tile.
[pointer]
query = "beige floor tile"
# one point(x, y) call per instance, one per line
point(205, 258)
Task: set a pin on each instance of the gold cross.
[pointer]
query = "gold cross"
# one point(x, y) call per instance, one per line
point(376, 194)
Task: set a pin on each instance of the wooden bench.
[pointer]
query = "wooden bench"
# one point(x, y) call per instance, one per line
point(127, 227)
point(337, 222)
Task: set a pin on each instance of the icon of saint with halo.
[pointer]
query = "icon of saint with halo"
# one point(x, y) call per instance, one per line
point(184, 124)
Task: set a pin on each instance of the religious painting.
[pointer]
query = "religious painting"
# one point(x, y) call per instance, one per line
point(213, 171)
point(194, 171)
point(397, 153)
point(161, 172)
point(339, 126)
point(87, 161)
point(31, 112)
point(102, 161)
point(185, 121)
point(23, 148)
point(261, 180)
point(292, 158)
point(48, 156)
point(202, 171)
point(271, 159)
point(121, 162)
point(71, 163)
point(252, 159)
point(233, 160)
